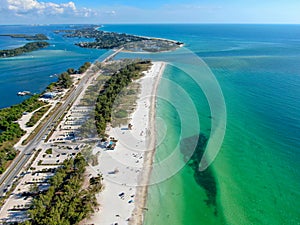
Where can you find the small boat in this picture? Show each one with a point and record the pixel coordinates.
(23, 93)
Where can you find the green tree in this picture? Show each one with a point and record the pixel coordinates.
(71, 71)
(65, 80)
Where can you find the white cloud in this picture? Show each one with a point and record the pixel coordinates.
(110, 12)
(35, 7)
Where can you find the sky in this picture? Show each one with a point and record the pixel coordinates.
(149, 11)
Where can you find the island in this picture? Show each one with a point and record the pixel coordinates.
(36, 37)
(113, 40)
(29, 47)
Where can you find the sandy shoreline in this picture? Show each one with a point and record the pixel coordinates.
(142, 189)
(127, 169)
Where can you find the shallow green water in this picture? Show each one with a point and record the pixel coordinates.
(257, 170)
(255, 178)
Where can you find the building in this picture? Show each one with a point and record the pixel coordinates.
(49, 95)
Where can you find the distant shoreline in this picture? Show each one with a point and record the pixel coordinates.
(36, 37)
(29, 47)
(111, 40)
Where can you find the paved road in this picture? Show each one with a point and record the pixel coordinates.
(19, 162)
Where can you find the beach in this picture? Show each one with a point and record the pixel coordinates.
(257, 170)
(126, 169)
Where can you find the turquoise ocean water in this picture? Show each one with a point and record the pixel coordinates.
(255, 178)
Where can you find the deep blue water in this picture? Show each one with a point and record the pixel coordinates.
(34, 71)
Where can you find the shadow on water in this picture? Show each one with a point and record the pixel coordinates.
(203, 178)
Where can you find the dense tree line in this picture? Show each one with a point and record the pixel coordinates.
(110, 40)
(80, 70)
(29, 47)
(66, 202)
(84, 68)
(112, 88)
(36, 37)
(64, 80)
(9, 116)
(103, 40)
(10, 129)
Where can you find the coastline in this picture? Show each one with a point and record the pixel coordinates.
(142, 36)
(142, 189)
(267, 108)
(127, 169)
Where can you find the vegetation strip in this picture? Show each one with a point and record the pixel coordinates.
(36, 37)
(41, 124)
(112, 88)
(66, 201)
(37, 116)
(125, 104)
(11, 131)
(29, 47)
(111, 40)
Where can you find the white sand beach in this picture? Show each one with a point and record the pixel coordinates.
(127, 168)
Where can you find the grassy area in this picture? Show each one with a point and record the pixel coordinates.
(39, 127)
(88, 128)
(125, 104)
(37, 116)
(92, 92)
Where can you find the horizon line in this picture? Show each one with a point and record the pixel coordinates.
(146, 23)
